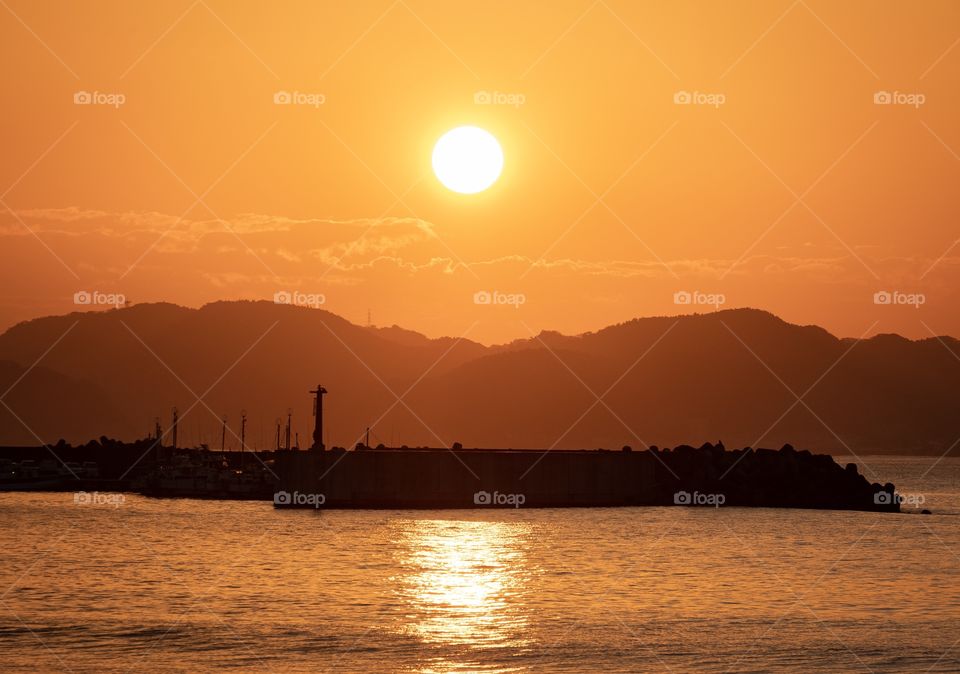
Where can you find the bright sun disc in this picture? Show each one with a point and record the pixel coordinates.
(467, 159)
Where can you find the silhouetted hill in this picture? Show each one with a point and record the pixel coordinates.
(722, 375)
(41, 396)
(255, 355)
(731, 375)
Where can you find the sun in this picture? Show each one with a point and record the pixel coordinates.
(467, 159)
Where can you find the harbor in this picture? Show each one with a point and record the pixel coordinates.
(381, 477)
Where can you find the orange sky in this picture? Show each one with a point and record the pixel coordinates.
(798, 194)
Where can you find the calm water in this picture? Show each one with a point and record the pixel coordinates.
(181, 585)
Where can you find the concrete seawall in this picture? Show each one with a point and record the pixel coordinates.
(483, 478)
(442, 478)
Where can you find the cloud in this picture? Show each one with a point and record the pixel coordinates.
(403, 270)
(324, 246)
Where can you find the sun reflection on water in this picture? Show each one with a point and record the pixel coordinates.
(463, 584)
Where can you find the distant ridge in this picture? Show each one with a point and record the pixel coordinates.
(671, 381)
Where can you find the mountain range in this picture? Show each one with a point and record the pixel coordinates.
(742, 376)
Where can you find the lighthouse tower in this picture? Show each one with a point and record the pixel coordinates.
(318, 393)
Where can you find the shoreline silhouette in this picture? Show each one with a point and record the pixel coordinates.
(452, 478)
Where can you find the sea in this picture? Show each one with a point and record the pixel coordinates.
(123, 583)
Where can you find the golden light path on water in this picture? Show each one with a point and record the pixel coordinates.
(464, 583)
